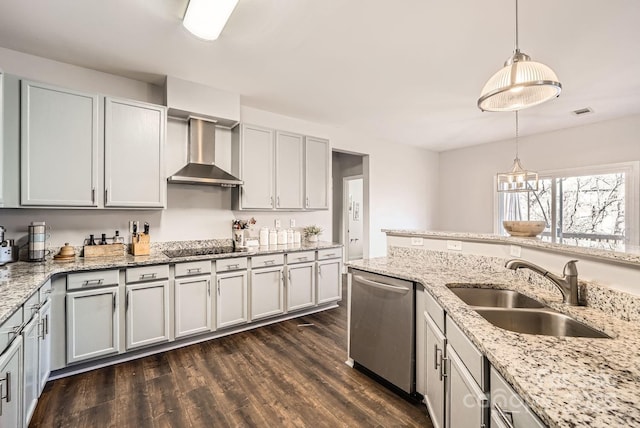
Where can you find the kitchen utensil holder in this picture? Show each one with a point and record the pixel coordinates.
(140, 244)
(109, 250)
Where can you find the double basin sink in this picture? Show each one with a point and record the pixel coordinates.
(514, 311)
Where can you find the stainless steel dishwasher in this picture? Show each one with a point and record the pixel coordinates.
(382, 327)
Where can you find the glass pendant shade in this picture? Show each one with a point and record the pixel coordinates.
(517, 179)
(520, 84)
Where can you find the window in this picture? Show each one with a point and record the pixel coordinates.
(589, 207)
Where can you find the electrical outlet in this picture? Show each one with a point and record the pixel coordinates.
(454, 245)
(277, 223)
(416, 241)
(292, 222)
(515, 250)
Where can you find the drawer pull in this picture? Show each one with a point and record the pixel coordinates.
(7, 397)
(330, 255)
(41, 329)
(269, 262)
(234, 266)
(114, 302)
(148, 275)
(194, 270)
(46, 325)
(90, 282)
(505, 416)
(208, 287)
(443, 370)
(302, 259)
(319, 270)
(436, 362)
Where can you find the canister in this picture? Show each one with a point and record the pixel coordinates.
(264, 236)
(37, 241)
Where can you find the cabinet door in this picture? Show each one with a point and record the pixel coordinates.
(30, 384)
(434, 373)
(231, 303)
(58, 146)
(257, 165)
(44, 353)
(267, 292)
(192, 305)
(134, 138)
(92, 324)
(329, 281)
(11, 385)
(467, 405)
(301, 286)
(147, 309)
(1, 139)
(289, 171)
(317, 173)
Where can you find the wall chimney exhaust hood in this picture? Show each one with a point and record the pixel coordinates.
(201, 168)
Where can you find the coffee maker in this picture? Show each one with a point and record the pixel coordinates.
(8, 249)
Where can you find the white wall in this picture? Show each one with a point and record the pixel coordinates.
(403, 178)
(466, 199)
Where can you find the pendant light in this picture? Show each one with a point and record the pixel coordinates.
(522, 83)
(517, 179)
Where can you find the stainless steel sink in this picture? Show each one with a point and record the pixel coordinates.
(538, 321)
(495, 298)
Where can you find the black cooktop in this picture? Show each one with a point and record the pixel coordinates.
(190, 252)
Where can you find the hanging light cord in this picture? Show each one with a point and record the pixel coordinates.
(517, 40)
(517, 134)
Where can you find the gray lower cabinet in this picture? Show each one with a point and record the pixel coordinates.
(147, 313)
(92, 323)
(435, 345)
(232, 299)
(58, 146)
(467, 404)
(11, 385)
(507, 408)
(31, 381)
(134, 138)
(301, 286)
(192, 305)
(44, 349)
(329, 282)
(267, 292)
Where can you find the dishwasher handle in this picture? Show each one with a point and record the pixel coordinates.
(381, 285)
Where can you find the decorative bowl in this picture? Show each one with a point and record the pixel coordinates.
(524, 229)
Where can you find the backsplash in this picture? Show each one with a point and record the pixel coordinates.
(616, 303)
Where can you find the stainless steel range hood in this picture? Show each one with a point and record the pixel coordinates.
(201, 168)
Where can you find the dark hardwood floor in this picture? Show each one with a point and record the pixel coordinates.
(286, 374)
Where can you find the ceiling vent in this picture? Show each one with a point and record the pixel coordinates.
(583, 111)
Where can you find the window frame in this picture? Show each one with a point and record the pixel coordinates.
(632, 195)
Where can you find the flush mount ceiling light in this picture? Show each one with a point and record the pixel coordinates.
(206, 18)
(517, 179)
(520, 84)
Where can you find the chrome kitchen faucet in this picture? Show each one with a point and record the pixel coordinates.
(567, 283)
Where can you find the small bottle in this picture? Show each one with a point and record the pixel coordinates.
(92, 241)
(103, 241)
(117, 239)
(282, 237)
(273, 237)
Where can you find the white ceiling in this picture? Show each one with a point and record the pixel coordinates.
(406, 71)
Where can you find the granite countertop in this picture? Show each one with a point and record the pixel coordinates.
(19, 281)
(630, 255)
(567, 381)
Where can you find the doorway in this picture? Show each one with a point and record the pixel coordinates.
(350, 176)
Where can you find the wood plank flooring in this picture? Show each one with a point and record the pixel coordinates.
(280, 375)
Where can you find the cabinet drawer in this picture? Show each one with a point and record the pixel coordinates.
(434, 310)
(225, 265)
(473, 359)
(45, 291)
(506, 401)
(330, 253)
(193, 268)
(267, 260)
(301, 257)
(31, 306)
(146, 273)
(8, 329)
(92, 279)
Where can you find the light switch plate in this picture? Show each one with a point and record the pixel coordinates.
(454, 245)
(515, 250)
(277, 223)
(417, 241)
(292, 222)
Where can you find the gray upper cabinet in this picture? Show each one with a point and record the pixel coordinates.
(316, 173)
(134, 142)
(289, 171)
(58, 146)
(1, 139)
(256, 160)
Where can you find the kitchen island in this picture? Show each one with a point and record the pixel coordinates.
(566, 381)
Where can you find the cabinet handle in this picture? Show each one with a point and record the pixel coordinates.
(41, 329)
(307, 202)
(278, 202)
(319, 270)
(289, 275)
(234, 266)
(271, 203)
(7, 397)
(436, 351)
(90, 282)
(302, 259)
(443, 369)
(93, 195)
(114, 302)
(196, 270)
(329, 255)
(282, 277)
(148, 275)
(269, 262)
(106, 195)
(507, 417)
(218, 287)
(208, 287)
(126, 300)
(46, 324)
